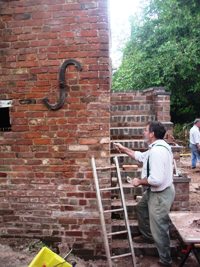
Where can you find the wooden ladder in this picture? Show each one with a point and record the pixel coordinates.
(102, 212)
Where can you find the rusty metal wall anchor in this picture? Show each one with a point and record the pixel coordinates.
(62, 85)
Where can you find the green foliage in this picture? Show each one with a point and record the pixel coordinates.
(164, 50)
(180, 133)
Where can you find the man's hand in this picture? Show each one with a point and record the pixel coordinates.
(136, 182)
(119, 147)
(123, 149)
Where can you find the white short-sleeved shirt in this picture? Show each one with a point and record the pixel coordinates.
(194, 135)
(160, 165)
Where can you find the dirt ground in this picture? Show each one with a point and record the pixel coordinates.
(17, 253)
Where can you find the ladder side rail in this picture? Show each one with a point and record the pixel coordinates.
(101, 211)
(125, 211)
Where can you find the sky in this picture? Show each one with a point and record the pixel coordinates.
(120, 12)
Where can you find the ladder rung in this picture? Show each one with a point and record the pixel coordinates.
(109, 188)
(121, 256)
(117, 233)
(113, 210)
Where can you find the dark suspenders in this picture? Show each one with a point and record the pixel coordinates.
(148, 167)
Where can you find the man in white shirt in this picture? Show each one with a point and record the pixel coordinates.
(195, 143)
(157, 175)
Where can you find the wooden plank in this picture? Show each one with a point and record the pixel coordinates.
(129, 167)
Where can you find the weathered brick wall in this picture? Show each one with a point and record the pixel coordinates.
(157, 97)
(45, 174)
(161, 100)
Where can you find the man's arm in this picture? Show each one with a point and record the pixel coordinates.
(136, 182)
(196, 137)
(198, 147)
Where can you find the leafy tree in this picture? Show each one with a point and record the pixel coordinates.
(164, 50)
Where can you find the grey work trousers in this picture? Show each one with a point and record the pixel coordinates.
(153, 218)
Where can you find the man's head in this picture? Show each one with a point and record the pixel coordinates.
(154, 130)
(197, 122)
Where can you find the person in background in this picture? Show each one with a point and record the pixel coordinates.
(157, 176)
(195, 143)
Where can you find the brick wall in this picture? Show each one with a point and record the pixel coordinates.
(45, 174)
(161, 100)
(156, 97)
